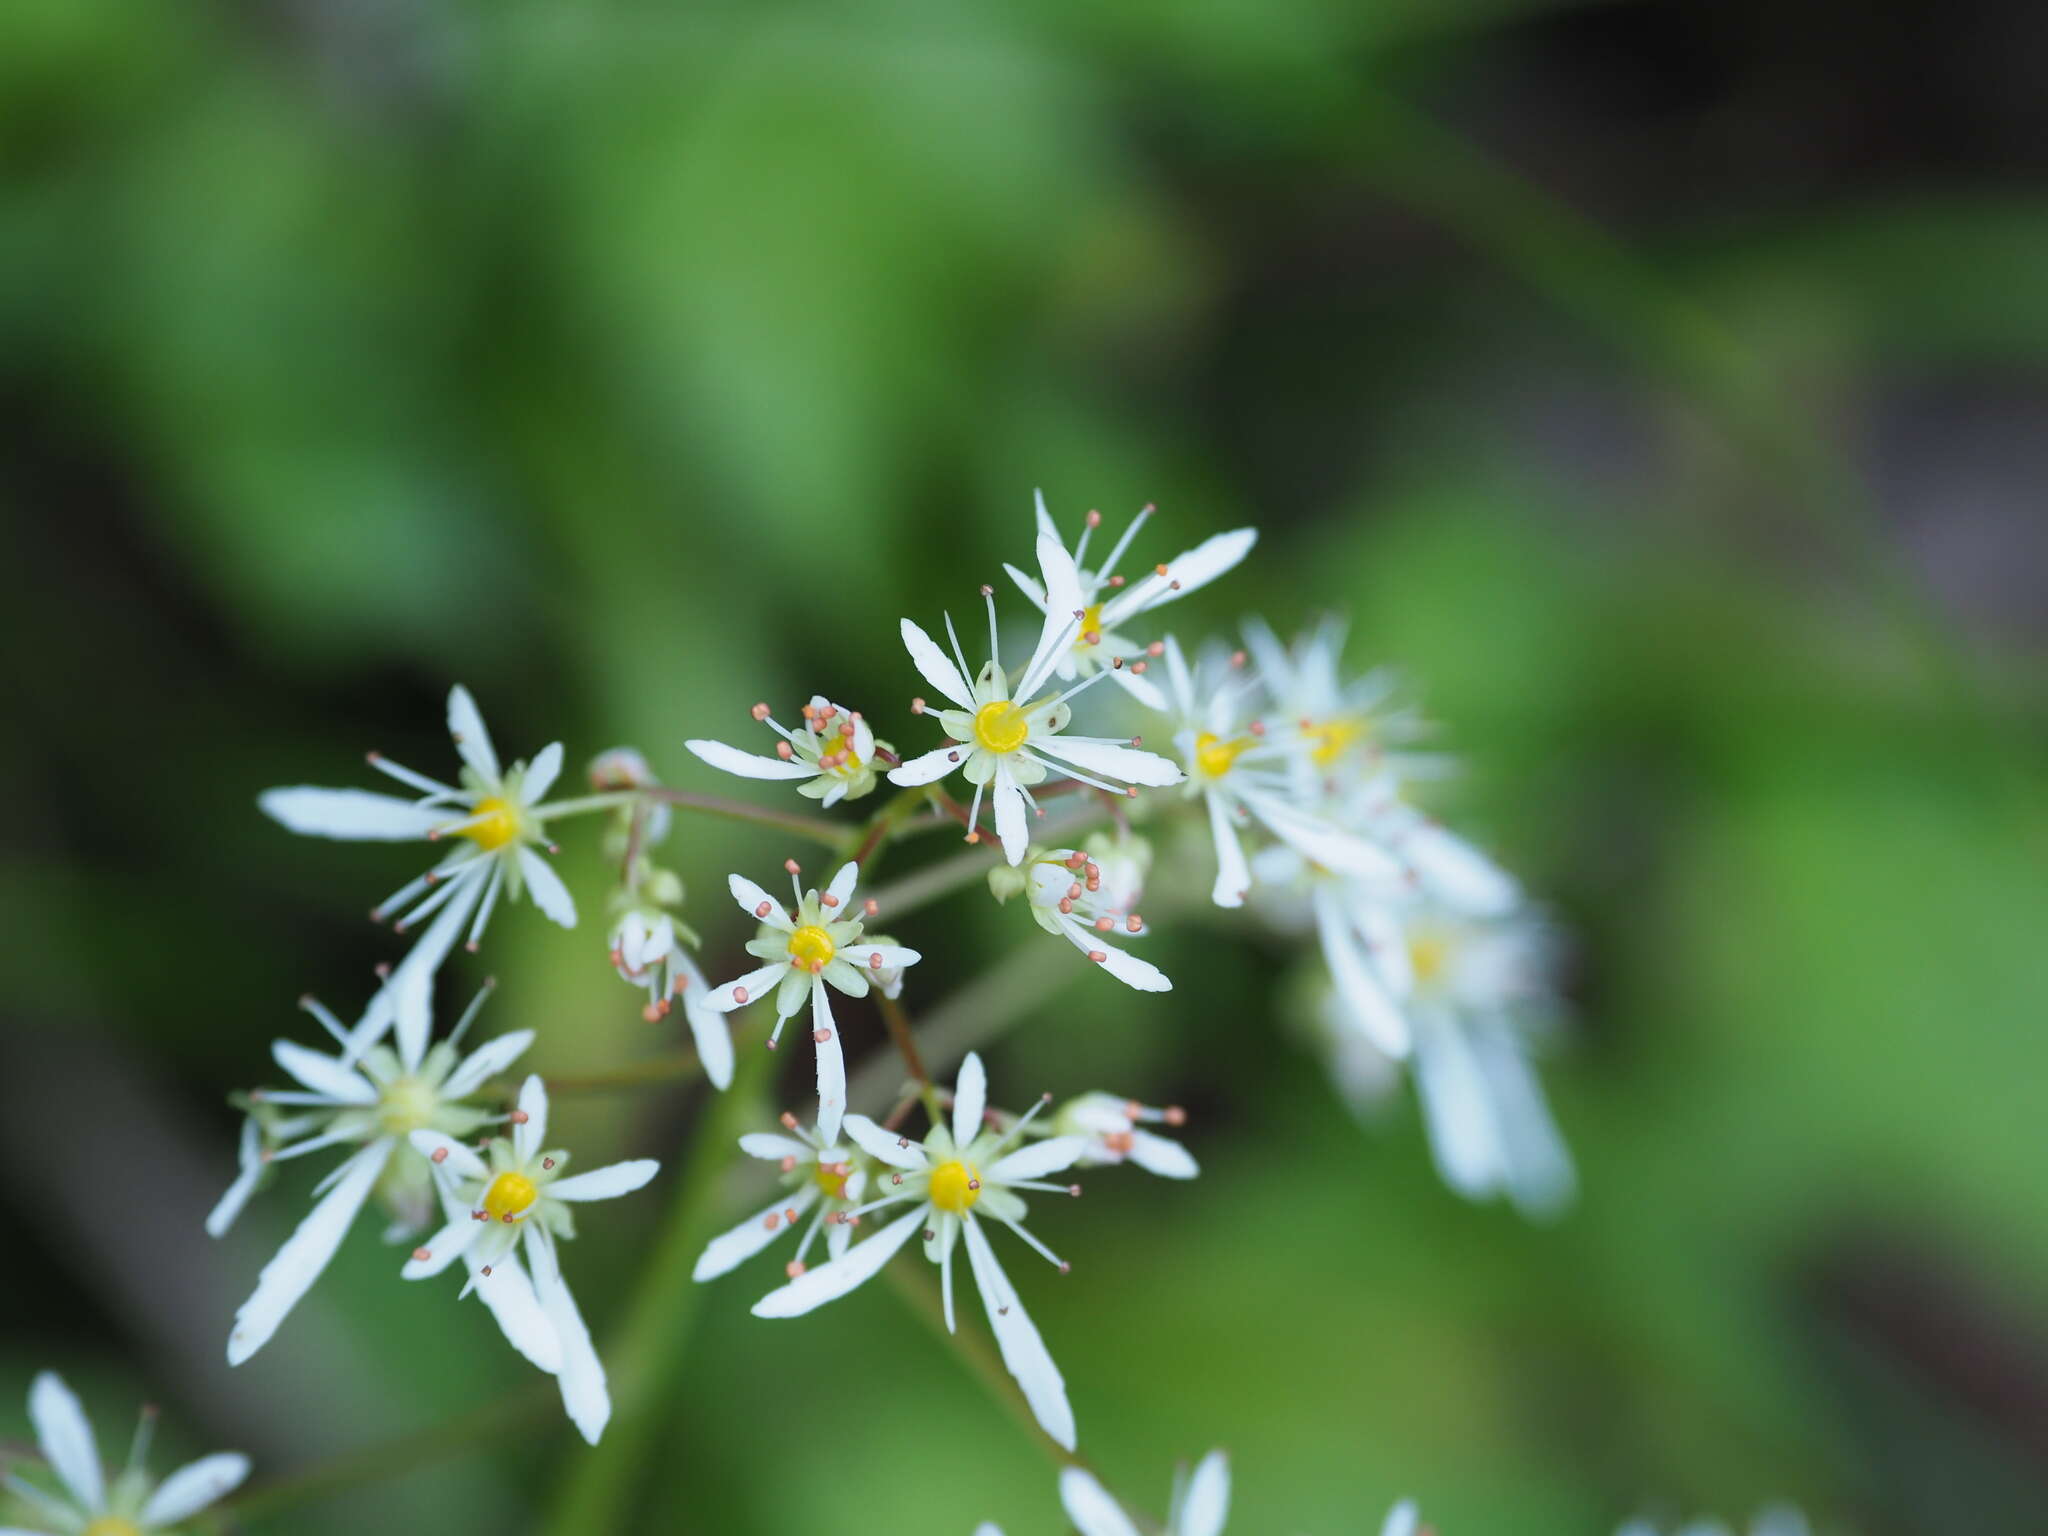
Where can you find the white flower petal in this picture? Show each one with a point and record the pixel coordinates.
(472, 741)
(1364, 1000)
(1030, 586)
(1130, 764)
(936, 667)
(529, 1134)
(507, 1291)
(1318, 840)
(752, 898)
(749, 765)
(841, 888)
(1537, 1166)
(1089, 1505)
(449, 1155)
(194, 1486)
(1208, 1498)
(1022, 1349)
(444, 1247)
(1186, 572)
(323, 1074)
(355, 815)
(305, 1253)
(65, 1434)
(1457, 1110)
(541, 774)
(771, 1148)
(755, 984)
(1402, 1519)
(486, 1062)
(1458, 872)
(546, 888)
(882, 1145)
(1139, 975)
(733, 1248)
(581, 1374)
(230, 1204)
(926, 769)
(1036, 1160)
(828, 1282)
(606, 1183)
(1063, 599)
(1010, 813)
(831, 1063)
(1233, 875)
(970, 1099)
(1168, 1159)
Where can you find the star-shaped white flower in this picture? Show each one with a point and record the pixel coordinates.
(133, 1504)
(819, 942)
(821, 1179)
(1099, 637)
(494, 817)
(514, 1200)
(1007, 741)
(1115, 1131)
(1240, 770)
(1338, 727)
(370, 1103)
(834, 752)
(955, 1183)
(648, 952)
(1069, 897)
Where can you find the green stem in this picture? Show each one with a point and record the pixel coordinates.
(647, 1350)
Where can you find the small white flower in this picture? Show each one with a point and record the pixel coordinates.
(1068, 895)
(1241, 772)
(1336, 728)
(134, 1504)
(1006, 743)
(954, 1183)
(833, 752)
(649, 953)
(814, 1173)
(1201, 1502)
(370, 1104)
(514, 1198)
(1114, 1130)
(1777, 1520)
(819, 942)
(495, 817)
(1100, 634)
(622, 768)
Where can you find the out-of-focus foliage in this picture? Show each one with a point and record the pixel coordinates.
(1662, 387)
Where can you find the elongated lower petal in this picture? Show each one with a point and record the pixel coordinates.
(65, 1434)
(828, 1282)
(1023, 1351)
(290, 1274)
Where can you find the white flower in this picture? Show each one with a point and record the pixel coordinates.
(1200, 1502)
(1066, 890)
(833, 751)
(1472, 991)
(494, 816)
(1334, 728)
(954, 1183)
(1241, 771)
(1404, 1519)
(1100, 635)
(622, 768)
(1006, 743)
(369, 1104)
(648, 952)
(816, 1173)
(1777, 1520)
(1113, 1129)
(133, 1504)
(820, 942)
(516, 1192)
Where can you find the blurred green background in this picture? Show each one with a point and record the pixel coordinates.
(1665, 386)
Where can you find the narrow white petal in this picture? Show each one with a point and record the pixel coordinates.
(733, 1248)
(1063, 599)
(305, 1253)
(841, 888)
(1139, 975)
(933, 765)
(1458, 872)
(449, 1155)
(581, 1375)
(65, 1434)
(936, 667)
(1036, 1160)
(507, 1291)
(755, 984)
(444, 1247)
(711, 1035)
(831, 1063)
(1233, 874)
(606, 1183)
(1022, 1349)
(194, 1486)
(1130, 764)
(1364, 1000)
(1538, 1167)
(882, 1145)
(1208, 1500)
(880, 957)
(749, 765)
(970, 1099)
(1185, 573)
(323, 1073)
(1010, 814)
(828, 1282)
(771, 1148)
(356, 815)
(466, 726)
(1459, 1114)
(1089, 1505)
(546, 888)
(531, 1134)
(230, 1204)
(752, 898)
(1168, 1159)
(485, 1063)
(1402, 1519)
(1030, 586)
(541, 774)
(1318, 840)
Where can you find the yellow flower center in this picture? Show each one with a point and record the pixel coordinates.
(1090, 632)
(1427, 956)
(811, 947)
(1001, 726)
(509, 1196)
(1215, 757)
(112, 1525)
(407, 1105)
(832, 1178)
(496, 823)
(955, 1186)
(1332, 738)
